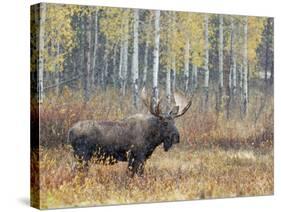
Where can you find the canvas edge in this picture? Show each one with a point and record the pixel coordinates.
(34, 106)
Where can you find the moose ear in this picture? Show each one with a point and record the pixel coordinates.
(174, 111)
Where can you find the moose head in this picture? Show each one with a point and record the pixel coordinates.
(168, 130)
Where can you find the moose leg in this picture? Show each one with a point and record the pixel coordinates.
(83, 161)
(85, 165)
(77, 164)
(83, 151)
(136, 165)
(130, 166)
(140, 169)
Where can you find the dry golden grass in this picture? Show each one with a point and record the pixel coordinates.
(216, 157)
(181, 174)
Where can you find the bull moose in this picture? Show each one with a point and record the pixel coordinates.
(132, 139)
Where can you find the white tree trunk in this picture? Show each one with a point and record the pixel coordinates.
(206, 62)
(121, 55)
(233, 71)
(245, 68)
(43, 9)
(87, 49)
(147, 39)
(104, 80)
(174, 74)
(94, 51)
(156, 58)
(186, 65)
(195, 76)
(125, 56)
(230, 78)
(221, 52)
(145, 66)
(114, 75)
(220, 93)
(57, 71)
(135, 62)
(234, 77)
(241, 81)
(173, 19)
(168, 86)
(81, 53)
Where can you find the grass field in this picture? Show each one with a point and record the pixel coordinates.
(181, 174)
(216, 158)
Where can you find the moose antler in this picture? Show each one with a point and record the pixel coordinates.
(149, 105)
(182, 103)
(180, 108)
